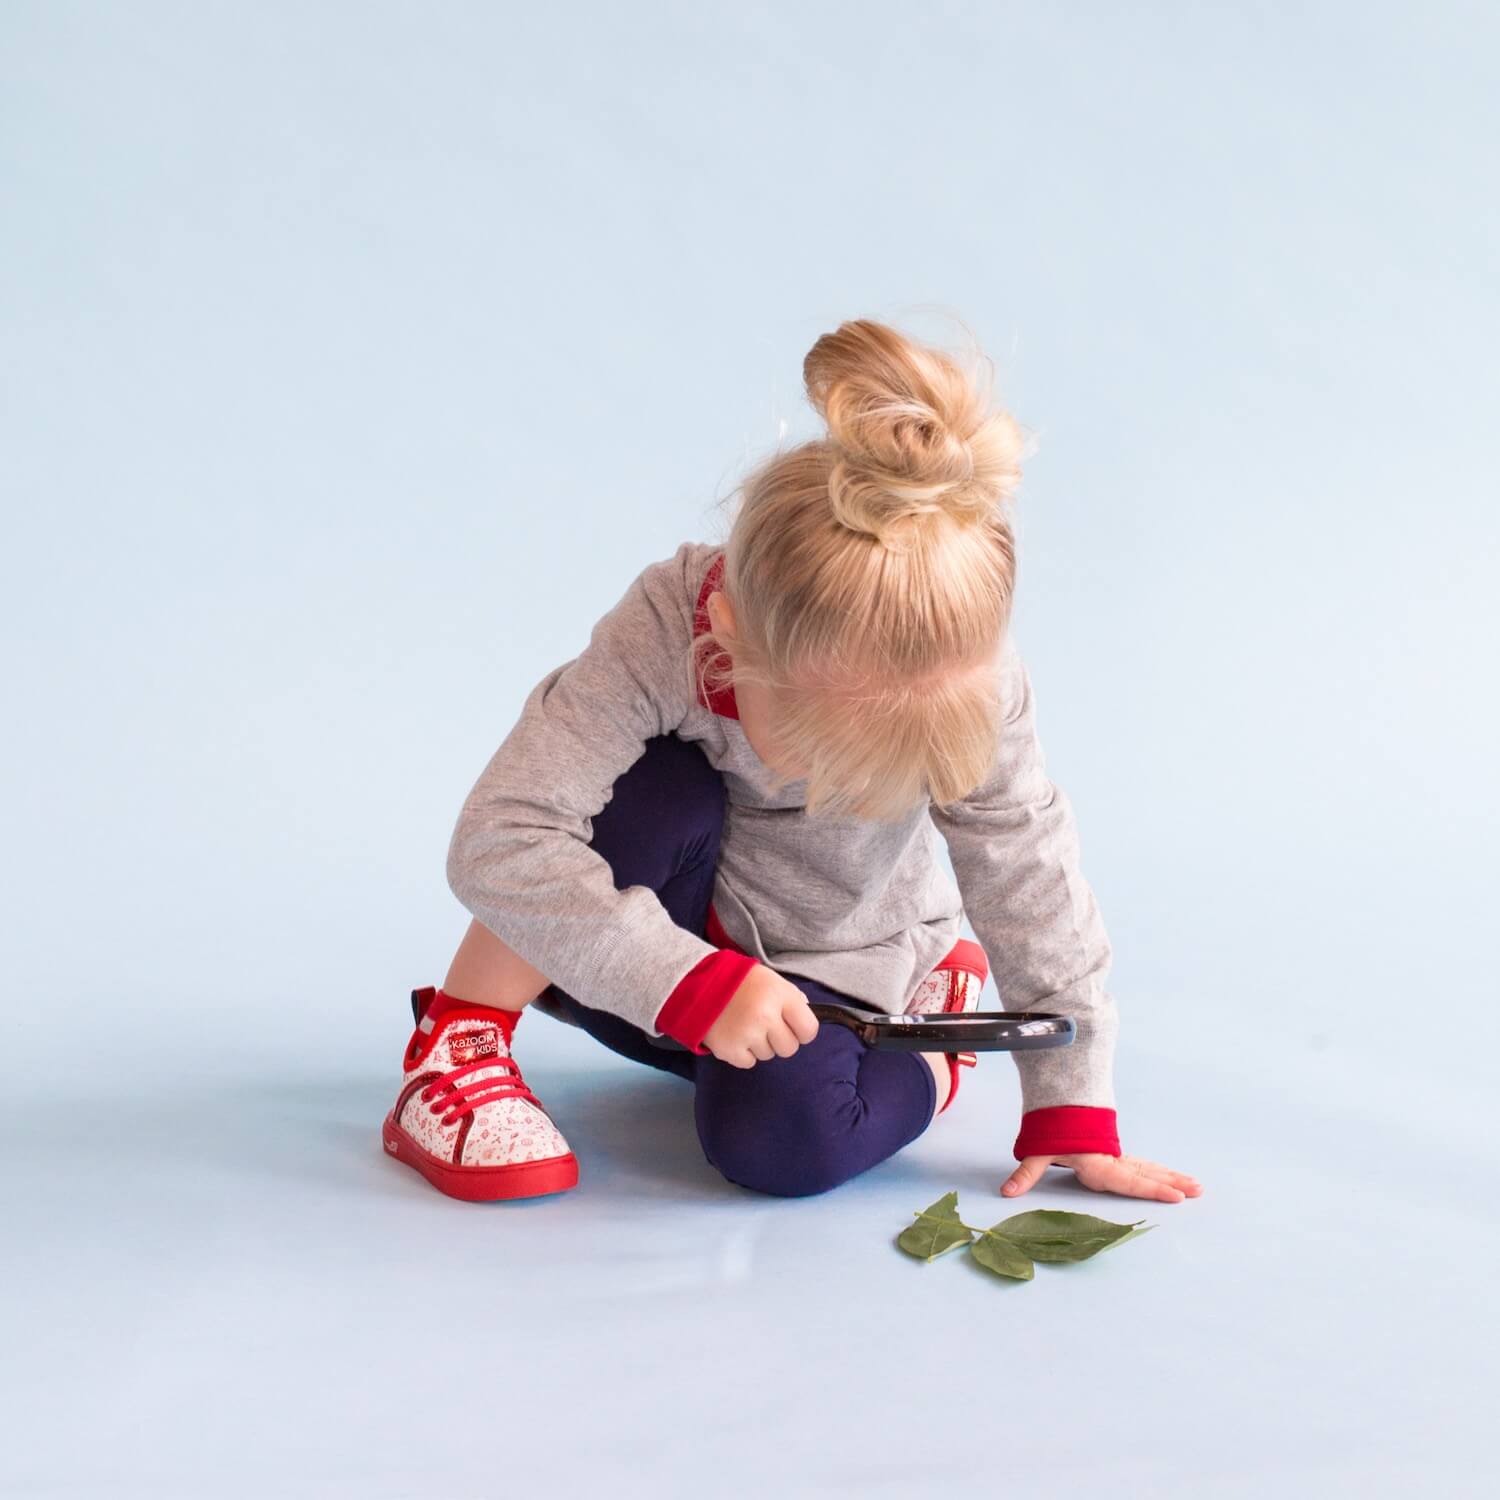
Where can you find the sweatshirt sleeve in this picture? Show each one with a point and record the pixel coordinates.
(519, 859)
(1015, 852)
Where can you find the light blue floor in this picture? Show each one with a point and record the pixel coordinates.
(354, 357)
(218, 1285)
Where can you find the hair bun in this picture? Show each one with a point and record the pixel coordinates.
(913, 433)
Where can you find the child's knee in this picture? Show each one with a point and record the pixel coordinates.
(791, 1147)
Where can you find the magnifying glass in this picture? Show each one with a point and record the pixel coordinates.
(971, 1031)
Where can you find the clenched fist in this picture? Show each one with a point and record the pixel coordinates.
(767, 1017)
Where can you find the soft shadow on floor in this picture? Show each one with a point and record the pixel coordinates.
(631, 1129)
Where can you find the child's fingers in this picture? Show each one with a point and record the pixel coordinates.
(799, 1018)
(1025, 1176)
(1162, 1192)
(1152, 1166)
(1131, 1180)
(736, 1057)
(783, 1042)
(1158, 1173)
(1182, 1180)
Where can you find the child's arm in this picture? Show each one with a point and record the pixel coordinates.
(519, 859)
(1014, 848)
(1015, 853)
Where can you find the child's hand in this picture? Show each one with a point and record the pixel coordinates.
(767, 1017)
(1129, 1176)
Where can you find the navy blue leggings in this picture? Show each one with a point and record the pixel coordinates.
(793, 1125)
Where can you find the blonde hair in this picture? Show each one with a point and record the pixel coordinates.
(870, 574)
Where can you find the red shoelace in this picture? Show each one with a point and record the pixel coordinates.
(456, 1098)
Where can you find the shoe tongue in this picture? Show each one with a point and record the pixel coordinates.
(471, 1039)
(468, 1033)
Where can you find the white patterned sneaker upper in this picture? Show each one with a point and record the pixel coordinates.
(946, 992)
(472, 1108)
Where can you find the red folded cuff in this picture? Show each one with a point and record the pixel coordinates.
(699, 997)
(1066, 1128)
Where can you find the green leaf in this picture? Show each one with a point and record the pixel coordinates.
(937, 1230)
(1048, 1234)
(996, 1253)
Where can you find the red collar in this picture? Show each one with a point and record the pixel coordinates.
(721, 701)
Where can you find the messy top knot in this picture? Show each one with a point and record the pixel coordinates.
(869, 574)
(912, 433)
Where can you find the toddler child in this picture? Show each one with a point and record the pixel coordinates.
(724, 810)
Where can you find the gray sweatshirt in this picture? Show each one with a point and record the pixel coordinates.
(867, 908)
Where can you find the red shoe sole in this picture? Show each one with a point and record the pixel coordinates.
(525, 1179)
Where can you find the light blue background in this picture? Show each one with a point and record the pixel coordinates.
(356, 357)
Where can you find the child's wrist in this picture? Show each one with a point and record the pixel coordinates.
(701, 995)
(1067, 1129)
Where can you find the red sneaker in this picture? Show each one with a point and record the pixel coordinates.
(465, 1118)
(953, 987)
